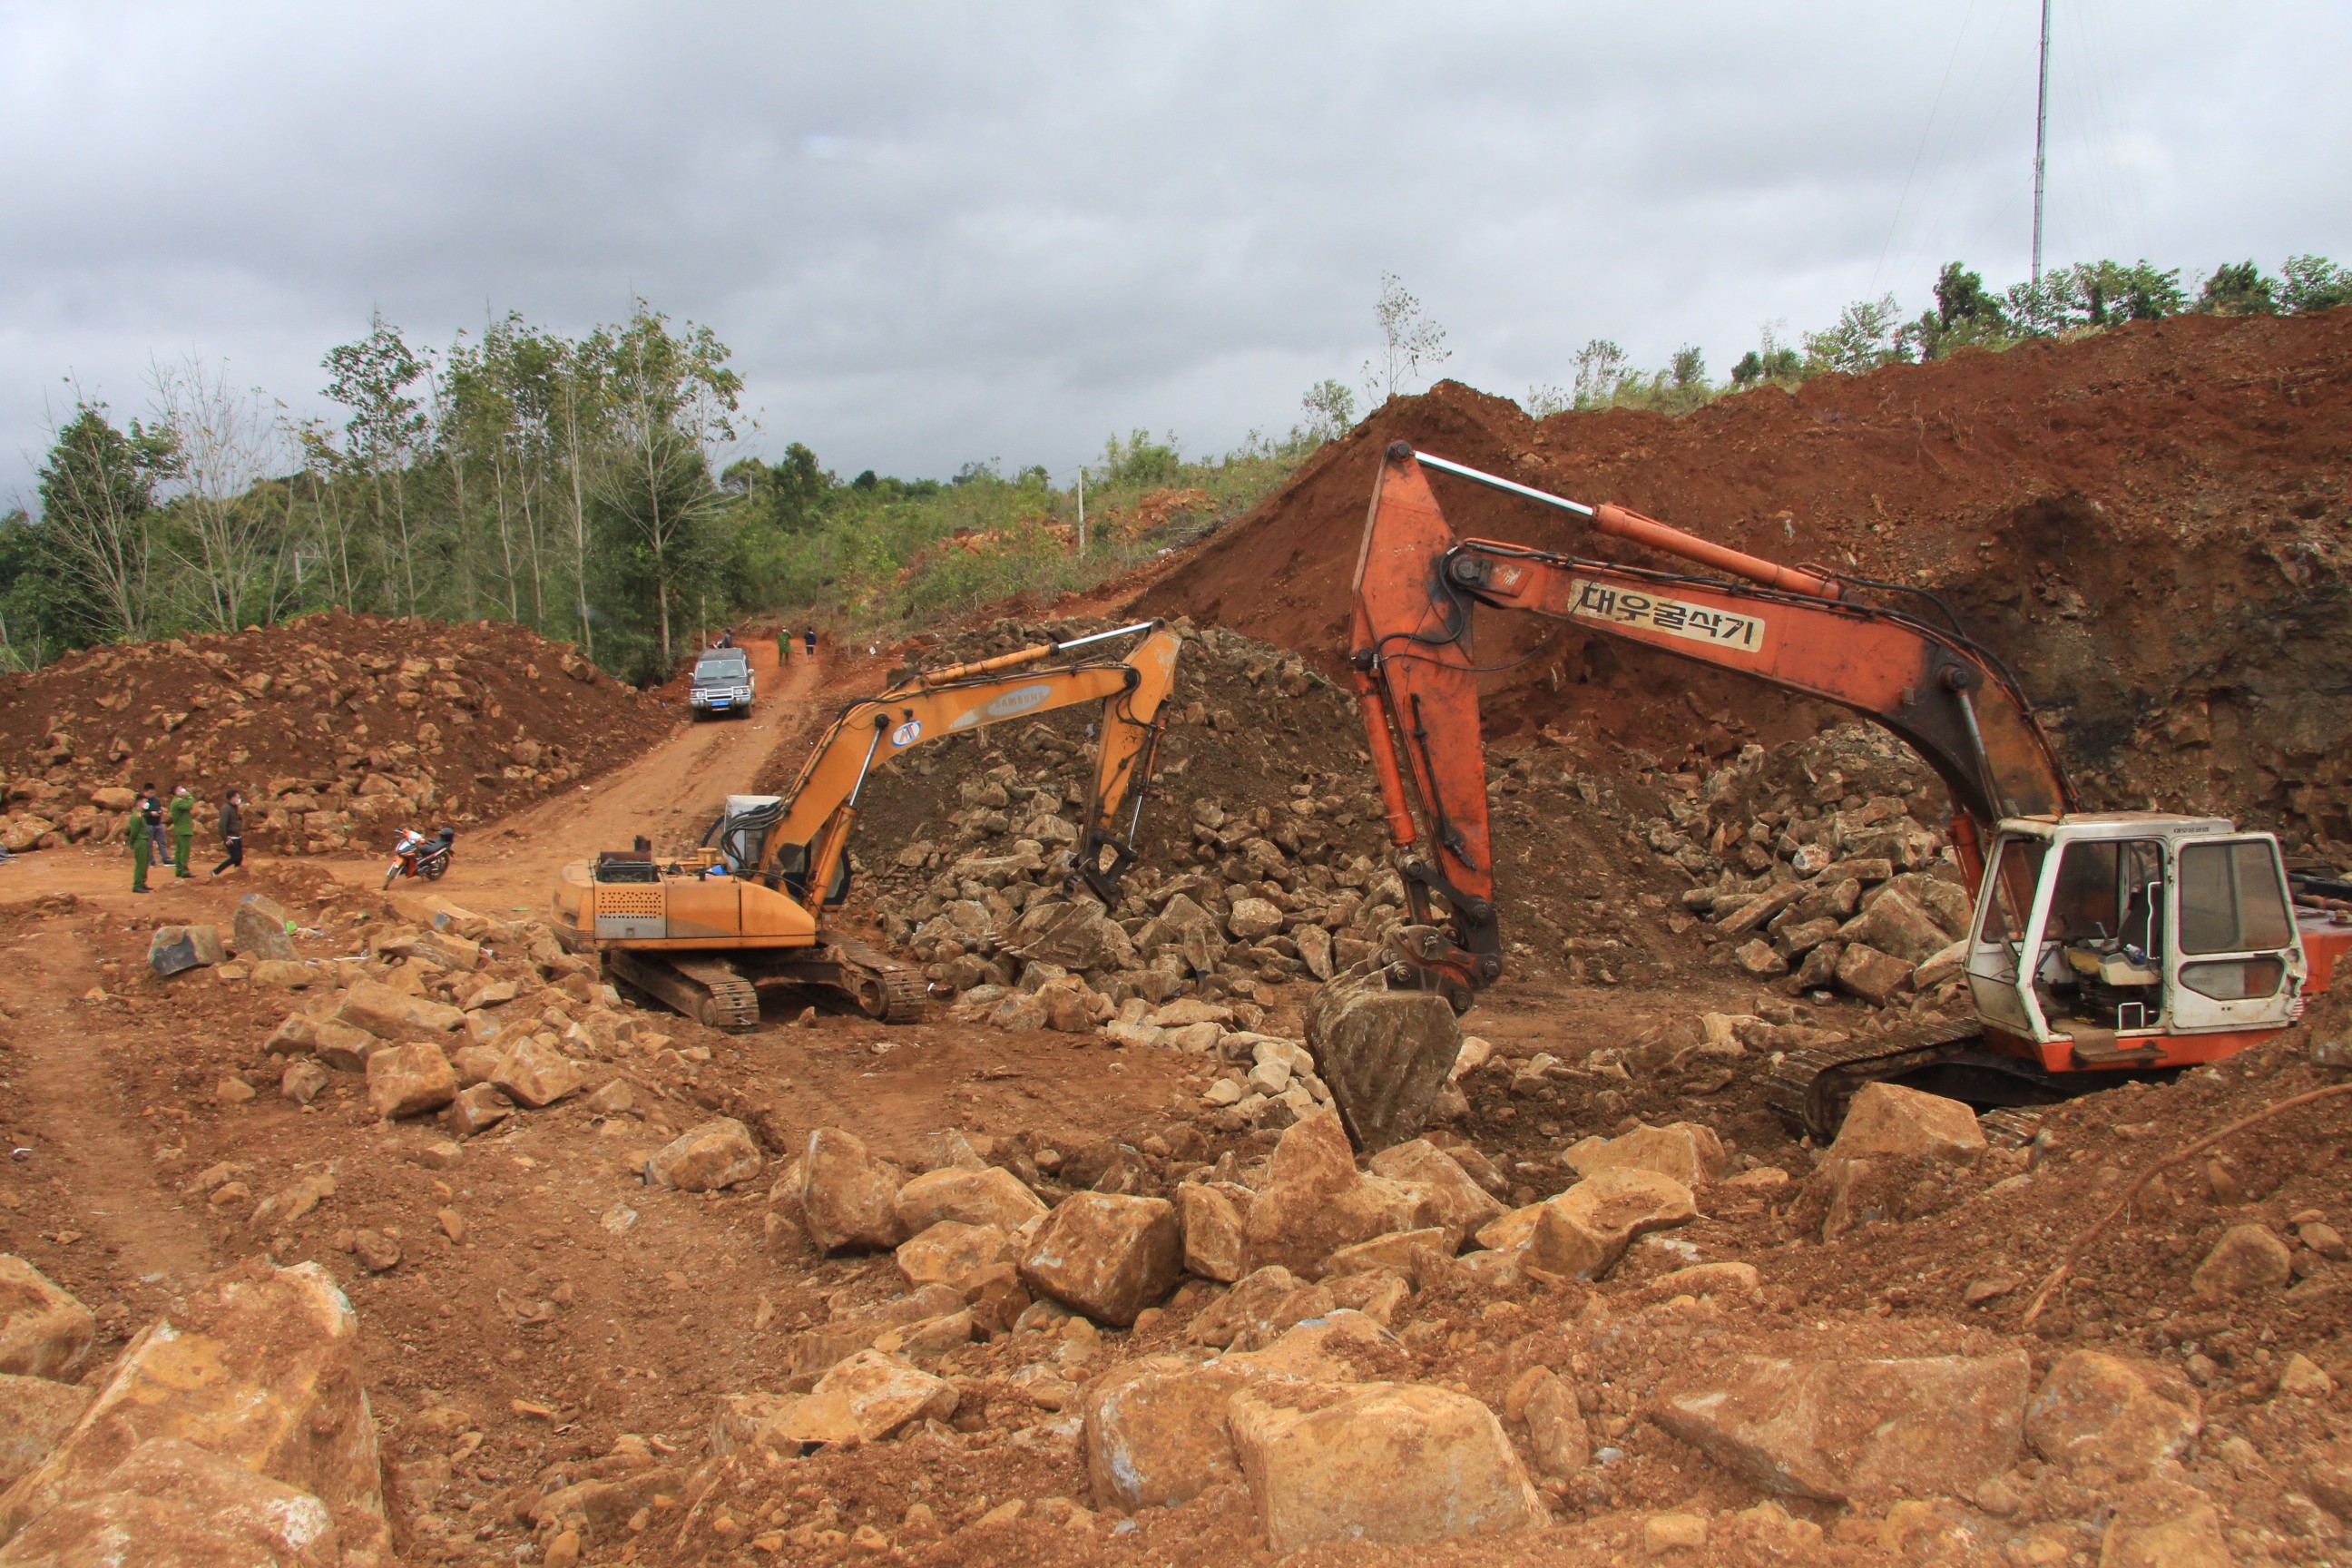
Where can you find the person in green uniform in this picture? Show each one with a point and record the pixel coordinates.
(140, 831)
(183, 828)
(784, 645)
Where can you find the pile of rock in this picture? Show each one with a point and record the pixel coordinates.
(450, 1015)
(1248, 878)
(235, 1429)
(1810, 882)
(333, 726)
(1292, 1381)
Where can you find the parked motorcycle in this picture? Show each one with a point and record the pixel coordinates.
(416, 855)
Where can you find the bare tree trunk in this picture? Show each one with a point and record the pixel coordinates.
(506, 540)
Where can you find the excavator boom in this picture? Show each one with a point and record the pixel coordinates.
(1416, 668)
(703, 933)
(807, 847)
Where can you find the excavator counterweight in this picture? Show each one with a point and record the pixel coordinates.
(2081, 959)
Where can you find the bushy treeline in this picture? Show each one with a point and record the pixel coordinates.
(565, 483)
(1868, 334)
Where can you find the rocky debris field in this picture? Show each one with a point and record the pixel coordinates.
(620, 1289)
(339, 729)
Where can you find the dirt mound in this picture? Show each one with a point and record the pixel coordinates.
(2147, 524)
(329, 724)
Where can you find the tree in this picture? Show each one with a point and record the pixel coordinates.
(1866, 337)
(1410, 340)
(97, 528)
(1601, 372)
(234, 545)
(2312, 283)
(1330, 410)
(672, 396)
(2238, 289)
(2112, 293)
(371, 378)
(1967, 313)
(1688, 369)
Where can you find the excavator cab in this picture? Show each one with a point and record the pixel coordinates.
(2133, 940)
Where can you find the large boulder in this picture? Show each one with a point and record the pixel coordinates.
(174, 1502)
(388, 1013)
(1585, 1231)
(1896, 924)
(1876, 977)
(2111, 1415)
(1211, 1214)
(848, 1197)
(1384, 1054)
(263, 930)
(1887, 1120)
(43, 1330)
(1155, 1431)
(1453, 1199)
(1841, 1429)
(1076, 936)
(262, 1366)
(1315, 1201)
(2249, 1260)
(707, 1158)
(989, 1196)
(1106, 1255)
(535, 1074)
(35, 1412)
(409, 1080)
(952, 1254)
(863, 1399)
(1687, 1151)
(175, 949)
(1392, 1463)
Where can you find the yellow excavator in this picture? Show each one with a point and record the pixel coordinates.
(705, 931)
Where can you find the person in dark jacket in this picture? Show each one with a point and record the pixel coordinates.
(810, 635)
(232, 831)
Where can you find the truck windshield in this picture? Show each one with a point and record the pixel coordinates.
(721, 669)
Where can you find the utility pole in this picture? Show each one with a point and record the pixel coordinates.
(2041, 137)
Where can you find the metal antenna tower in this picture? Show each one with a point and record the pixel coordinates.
(2041, 137)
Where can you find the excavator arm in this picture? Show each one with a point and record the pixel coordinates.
(1416, 669)
(806, 848)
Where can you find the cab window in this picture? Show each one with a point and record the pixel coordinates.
(2107, 888)
(2231, 900)
(2009, 903)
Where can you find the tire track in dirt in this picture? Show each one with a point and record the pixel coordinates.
(62, 1073)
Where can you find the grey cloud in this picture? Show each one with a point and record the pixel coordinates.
(935, 233)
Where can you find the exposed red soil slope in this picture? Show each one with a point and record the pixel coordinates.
(2149, 524)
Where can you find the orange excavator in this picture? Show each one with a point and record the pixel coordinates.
(2104, 945)
(705, 931)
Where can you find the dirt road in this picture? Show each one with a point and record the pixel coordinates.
(670, 793)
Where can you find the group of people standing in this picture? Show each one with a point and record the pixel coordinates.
(783, 642)
(153, 815)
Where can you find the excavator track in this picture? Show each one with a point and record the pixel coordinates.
(883, 988)
(709, 990)
(1808, 1090)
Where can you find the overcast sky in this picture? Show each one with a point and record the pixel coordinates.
(939, 232)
